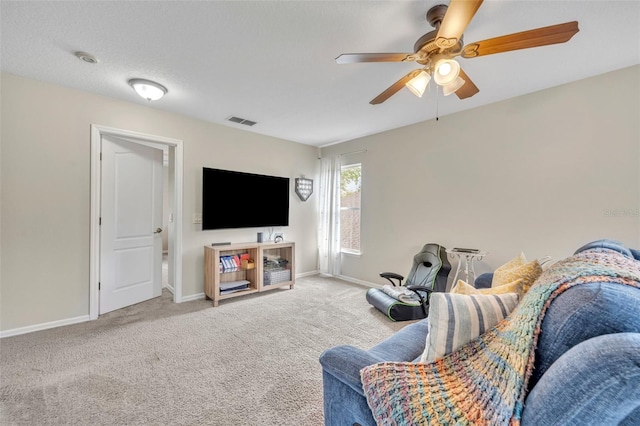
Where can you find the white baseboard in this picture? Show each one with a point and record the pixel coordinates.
(307, 274)
(196, 296)
(357, 281)
(170, 288)
(43, 326)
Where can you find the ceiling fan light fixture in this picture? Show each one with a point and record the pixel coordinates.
(418, 84)
(453, 87)
(446, 71)
(147, 89)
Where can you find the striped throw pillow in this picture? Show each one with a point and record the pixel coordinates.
(456, 319)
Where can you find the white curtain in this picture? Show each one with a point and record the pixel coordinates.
(329, 229)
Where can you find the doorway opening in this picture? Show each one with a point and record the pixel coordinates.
(174, 160)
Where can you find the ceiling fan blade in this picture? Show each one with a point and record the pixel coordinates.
(468, 89)
(394, 88)
(455, 21)
(353, 58)
(533, 38)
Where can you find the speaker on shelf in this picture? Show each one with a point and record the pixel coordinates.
(260, 236)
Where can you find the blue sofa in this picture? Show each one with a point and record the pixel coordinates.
(587, 365)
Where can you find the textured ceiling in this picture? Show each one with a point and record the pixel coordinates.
(273, 61)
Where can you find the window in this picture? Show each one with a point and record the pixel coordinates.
(350, 189)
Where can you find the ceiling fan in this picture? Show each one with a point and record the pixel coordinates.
(436, 50)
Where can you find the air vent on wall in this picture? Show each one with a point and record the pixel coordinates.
(241, 120)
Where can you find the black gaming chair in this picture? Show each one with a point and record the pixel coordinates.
(429, 273)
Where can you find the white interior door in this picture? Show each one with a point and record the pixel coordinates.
(131, 221)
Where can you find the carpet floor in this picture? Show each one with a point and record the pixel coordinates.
(251, 361)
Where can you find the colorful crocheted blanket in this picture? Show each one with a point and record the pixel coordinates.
(485, 381)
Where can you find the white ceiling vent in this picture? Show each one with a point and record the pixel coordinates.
(241, 120)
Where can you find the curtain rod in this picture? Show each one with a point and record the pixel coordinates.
(353, 152)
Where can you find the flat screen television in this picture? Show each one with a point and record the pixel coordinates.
(243, 200)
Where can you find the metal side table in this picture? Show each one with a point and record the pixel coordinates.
(466, 257)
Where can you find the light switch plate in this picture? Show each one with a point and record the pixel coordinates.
(197, 218)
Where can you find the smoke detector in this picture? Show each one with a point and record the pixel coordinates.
(86, 57)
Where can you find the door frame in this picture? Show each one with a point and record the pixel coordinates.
(175, 147)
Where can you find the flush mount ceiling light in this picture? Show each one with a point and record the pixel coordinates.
(147, 89)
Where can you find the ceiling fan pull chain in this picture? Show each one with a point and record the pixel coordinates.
(437, 102)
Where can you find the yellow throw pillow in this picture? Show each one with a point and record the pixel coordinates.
(528, 272)
(513, 263)
(515, 287)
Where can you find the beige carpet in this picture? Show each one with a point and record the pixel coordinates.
(251, 361)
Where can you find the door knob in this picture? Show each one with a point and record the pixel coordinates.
(159, 230)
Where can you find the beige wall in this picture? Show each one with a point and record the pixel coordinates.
(540, 173)
(543, 173)
(45, 193)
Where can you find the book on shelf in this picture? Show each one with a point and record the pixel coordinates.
(228, 264)
(233, 286)
(234, 262)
